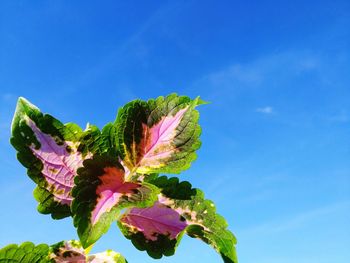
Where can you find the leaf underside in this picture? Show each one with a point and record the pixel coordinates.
(180, 209)
(52, 152)
(48, 149)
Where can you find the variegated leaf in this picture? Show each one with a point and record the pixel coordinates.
(158, 136)
(179, 209)
(67, 251)
(108, 256)
(48, 149)
(72, 251)
(101, 192)
(62, 252)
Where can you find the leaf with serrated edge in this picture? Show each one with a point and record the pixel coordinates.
(27, 252)
(101, 192)
(179, 209)
(94, 141)
(48, 149)
(62, 252)
(158, 136)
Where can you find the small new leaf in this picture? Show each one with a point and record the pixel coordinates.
(94, 141)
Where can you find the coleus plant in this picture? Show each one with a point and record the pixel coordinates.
(98, 177)
(62, 252)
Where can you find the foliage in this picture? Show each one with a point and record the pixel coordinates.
(93, 175)
(65, 251)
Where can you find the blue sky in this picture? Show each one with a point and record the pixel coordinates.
(275, 152)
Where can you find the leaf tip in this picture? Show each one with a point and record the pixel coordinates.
(23, 106)
(199, 101)
(23, 102)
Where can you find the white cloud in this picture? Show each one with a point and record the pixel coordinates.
(237, 74)
(8, 97)
(272, 71)
(342, 117)
(296, 221)
(265, 110)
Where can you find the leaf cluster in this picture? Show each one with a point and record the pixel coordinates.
(98, 177)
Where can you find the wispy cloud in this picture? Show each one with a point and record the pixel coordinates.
(296, 221)
(341, 117)
(8, 97)
(237, 73)
(270, 71)
(265, 110)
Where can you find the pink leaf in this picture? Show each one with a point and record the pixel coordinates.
(59, 165)
(110, 190)
(156, 220)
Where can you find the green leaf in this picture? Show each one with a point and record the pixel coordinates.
(100, 193)
(49, 151)
(158, 136)
(94, 141)
(180, 209)
(25, 253)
